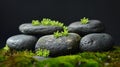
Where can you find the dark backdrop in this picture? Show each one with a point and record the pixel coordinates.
(15, 12)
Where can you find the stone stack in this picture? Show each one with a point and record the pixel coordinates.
(93, 38)
(29, 40)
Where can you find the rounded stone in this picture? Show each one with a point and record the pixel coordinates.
(28, 28)
(96, 42)
(22, 42)
(40, 58)
(59, 46)
(93, 26)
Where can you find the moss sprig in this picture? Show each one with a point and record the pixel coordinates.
(47, 22)
(62, 33)
(6, 48)
(35, 22)
(84, 20)
(42, 52)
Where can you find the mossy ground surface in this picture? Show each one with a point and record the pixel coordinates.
(85, 59)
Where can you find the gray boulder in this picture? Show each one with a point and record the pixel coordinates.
(28, 28)
(22, 42)
(93, 26)
(60, 46)
(96, 42)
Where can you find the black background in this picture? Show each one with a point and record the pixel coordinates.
(15, 12)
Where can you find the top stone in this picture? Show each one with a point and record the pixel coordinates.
(28, 28)
(93, 26)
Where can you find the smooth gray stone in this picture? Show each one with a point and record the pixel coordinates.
(39, 58)
(28, 28)
(96, 42)
(93, 26)
(22, 42)
(60, 46)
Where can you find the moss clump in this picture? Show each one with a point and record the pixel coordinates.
(100, 57)
(2, 58)
(68, 61)
(47, 22)
(62, 33)
(6, 48)
(18, 61)
(14, 58)
(43, 52)
(35, 22)
(84, 20)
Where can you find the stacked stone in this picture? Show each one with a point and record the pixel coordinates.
(57, 46)
(93, 38)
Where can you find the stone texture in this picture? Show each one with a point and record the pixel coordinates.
(96, 42)
(93, 26)
(22, 42)
(39, 58)
(60, 46)
(28, 28)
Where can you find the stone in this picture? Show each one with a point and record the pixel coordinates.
(28, 28)
(96, 42)
(93, 26)
(40, 58)
(59, 46)
(22, 42)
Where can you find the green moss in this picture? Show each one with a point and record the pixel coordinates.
(84, 20)
(47, 22)
(18, 61)
(68, 61)
(35, 22)
(6, 47)
(100, 57)
(43, 52)
(84, 59)
(2, 58)
(62, 33)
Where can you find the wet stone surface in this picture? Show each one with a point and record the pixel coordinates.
(22, 42)
(40, 58)
(93, 26)
(96, 42)
(59, 46)
(28, 28)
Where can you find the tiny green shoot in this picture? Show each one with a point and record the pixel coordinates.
(84, 20)
(57, 34)
(63, 33)
(47, 22)
(35, 22)
(6, 48)
(43, 52)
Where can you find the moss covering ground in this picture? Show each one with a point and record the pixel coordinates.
(85, 59)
